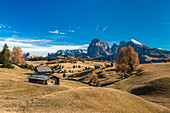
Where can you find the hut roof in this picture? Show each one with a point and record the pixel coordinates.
(43, 69)
(41, 76)
(97, 65)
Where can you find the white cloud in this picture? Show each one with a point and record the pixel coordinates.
(35, 49)
(71, 31)
(62, 33)
(2, 26)
(24, 40)
(97, 27)
(41, 51)
(12, 44)
(104, 28)
(56, 31)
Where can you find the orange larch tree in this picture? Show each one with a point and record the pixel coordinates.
(17, 56)
(127, 60)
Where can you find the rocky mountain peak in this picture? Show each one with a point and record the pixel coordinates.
(122, 43)
(98, 48)
(114, 49)
(96, 40)
(135, 42)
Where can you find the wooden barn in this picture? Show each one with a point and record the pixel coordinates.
(43, 76)
(97, 66)
(44, 79)
(43, 70)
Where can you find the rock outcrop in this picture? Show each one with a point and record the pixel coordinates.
(98, 48)
(28, 56)
(114, 50)
(143, 51)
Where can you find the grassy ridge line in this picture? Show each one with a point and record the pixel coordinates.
(94, 100)
(151, 84)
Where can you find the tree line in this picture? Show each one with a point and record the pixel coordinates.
(126, 63)
(7, 58)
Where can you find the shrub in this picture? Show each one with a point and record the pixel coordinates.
(79, 66)
(41, 64)
(31, 67)
(26, 66)
(52, 70)
(60, 67)
(64, 74)
(112, 64)
(64, 71)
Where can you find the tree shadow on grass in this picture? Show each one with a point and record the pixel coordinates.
(28, 73)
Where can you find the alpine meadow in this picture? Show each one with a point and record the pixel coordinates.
(92, 56)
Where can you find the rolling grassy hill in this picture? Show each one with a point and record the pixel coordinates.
(152, 84)
(83, 100)
(18, 95)
(106, 75)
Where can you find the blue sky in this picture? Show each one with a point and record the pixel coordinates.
(42, 26)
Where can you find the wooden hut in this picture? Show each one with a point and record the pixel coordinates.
(44, 79)
(43, 70)
(97, 66)
(43, 76)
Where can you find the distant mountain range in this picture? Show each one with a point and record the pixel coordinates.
(67, 53)
(28, 55)
(99, 50)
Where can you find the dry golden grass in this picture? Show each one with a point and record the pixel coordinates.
(152, 84)
(67, 66)
(36, 63)
(107, 76)
(14, 87)
(88, 100)
(18, 95)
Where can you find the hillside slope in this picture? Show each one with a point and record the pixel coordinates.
(106, 76)
(153, 83)
(15, 88)
(18, 95)
(92, 100)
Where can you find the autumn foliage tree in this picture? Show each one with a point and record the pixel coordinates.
(127, 61)
(17, 56)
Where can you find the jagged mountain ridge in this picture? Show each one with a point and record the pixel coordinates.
(67, 52)
(99, 50)
(146, 54)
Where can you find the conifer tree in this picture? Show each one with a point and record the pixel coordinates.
(5, 57)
